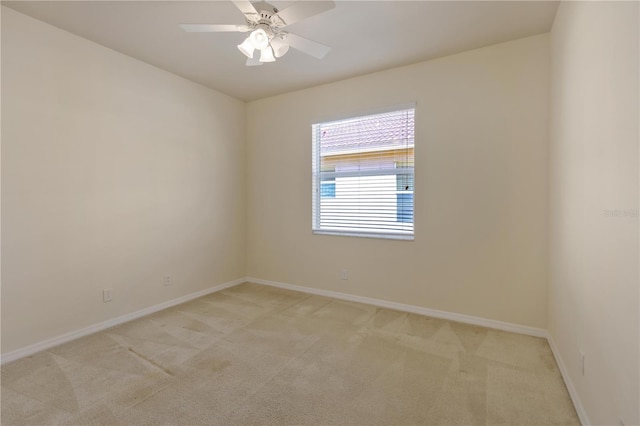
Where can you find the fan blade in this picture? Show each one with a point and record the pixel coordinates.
(307, 46)
(213, 28)
(304, 9)
(245, 7)
(254, 61)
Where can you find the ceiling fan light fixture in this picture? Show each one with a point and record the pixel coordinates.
(264, 27)
(259, 39)
(266, 55)
(247, 47)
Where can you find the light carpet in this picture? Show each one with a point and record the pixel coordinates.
(253, 354)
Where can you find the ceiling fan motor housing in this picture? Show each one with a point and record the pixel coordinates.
(266, 18)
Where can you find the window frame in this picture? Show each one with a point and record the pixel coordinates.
(318, 175)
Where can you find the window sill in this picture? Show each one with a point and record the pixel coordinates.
(403, 237)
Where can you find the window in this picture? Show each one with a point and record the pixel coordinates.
(363, 175)
(328, 188)
(328, 185)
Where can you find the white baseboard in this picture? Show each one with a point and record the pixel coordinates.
(67, 337)
(451, 316)
(582, 413)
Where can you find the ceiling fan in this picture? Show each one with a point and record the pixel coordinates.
(266, 26)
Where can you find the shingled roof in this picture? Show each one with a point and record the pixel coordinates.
(380, 131)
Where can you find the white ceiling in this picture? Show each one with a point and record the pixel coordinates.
(365, 36)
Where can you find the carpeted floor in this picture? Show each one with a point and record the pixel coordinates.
(258, 355)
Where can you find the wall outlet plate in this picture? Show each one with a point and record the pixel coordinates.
(107, 295)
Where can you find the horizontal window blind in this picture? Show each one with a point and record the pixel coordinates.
(363, 175)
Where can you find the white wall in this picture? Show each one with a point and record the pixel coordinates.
(593, 296)
(114, 174)
(481, 186)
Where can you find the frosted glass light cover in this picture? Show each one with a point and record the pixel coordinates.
(266, 55)
(247, 47)
(259, 39)
(279, 47)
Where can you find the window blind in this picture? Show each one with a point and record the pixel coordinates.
(363, 175)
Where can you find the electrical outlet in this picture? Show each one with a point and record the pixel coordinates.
(582, 363)
(168, 280)
(344, 274)
(107, 295)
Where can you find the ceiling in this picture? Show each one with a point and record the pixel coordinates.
(365, 36)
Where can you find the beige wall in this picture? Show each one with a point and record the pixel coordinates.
(114, 174)
(593, 296)
(480, 192)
